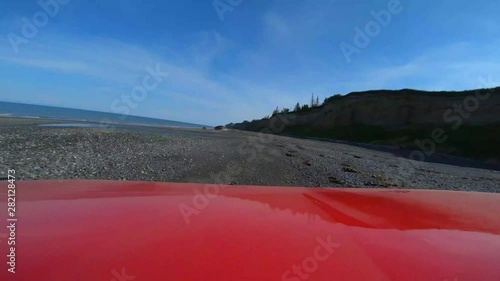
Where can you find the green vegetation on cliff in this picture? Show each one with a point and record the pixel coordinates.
(468, 120)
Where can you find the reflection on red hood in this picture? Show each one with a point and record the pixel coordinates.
(124, 231)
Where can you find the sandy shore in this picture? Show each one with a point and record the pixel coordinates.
(226, 157)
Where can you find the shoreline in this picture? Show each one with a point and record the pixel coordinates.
(23, 120)
(139, 153)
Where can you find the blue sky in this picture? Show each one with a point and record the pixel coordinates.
(259, 55)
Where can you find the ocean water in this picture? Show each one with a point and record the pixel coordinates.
(8, 109)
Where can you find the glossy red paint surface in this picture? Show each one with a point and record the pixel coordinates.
(84, 230)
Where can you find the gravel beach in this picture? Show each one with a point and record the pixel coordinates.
(224, 157)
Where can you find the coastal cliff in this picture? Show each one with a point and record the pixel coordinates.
(467, 122)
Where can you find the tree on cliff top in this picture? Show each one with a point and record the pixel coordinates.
(297, 107)
(314, 101)
(334, 97)
(276, 111)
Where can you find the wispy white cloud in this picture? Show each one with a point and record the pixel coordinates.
(207, 47)
(118, 66)
(293, 55)
(63, 66)
(455, 66)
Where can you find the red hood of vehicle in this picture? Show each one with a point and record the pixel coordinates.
(124, 231)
